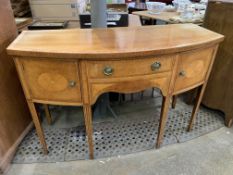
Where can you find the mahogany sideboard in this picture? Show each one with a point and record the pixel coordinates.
(74, 67)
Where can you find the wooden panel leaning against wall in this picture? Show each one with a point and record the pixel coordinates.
(15, 120)
(219, 90)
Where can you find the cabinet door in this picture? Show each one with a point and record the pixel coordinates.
(51, 80)
(192, 69)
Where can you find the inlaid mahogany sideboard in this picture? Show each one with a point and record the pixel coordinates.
(74, 67)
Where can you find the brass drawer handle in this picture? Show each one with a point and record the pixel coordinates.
(182, 73)
(108, 71)
(72, 83)
(156, 66)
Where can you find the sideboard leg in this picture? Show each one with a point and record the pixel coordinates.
(47, 114)
(228, 120)
(37, 123)
(163, 119)
(200, 93)
(174, 100)
(88, 123)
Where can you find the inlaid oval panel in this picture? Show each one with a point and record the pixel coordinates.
(52, 82)
(192, 69)
(195, 68)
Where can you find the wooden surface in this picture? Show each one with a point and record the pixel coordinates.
(219, 1)
(112, 60)
(163, 16)
(219, 91)
(199, 61)
(14, 115)
(21, 23)
(54, 77)
(112, 43)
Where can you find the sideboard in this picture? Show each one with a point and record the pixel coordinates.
(74, 67)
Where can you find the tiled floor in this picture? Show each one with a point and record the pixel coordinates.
(134, 130)
(210, 154)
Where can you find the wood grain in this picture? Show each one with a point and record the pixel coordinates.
(39, 129)
(53, 80)
(127, 68)
(126, 72)
(192, 64)
(202, 90)
(111, 43)
(14, 115)
(163, 119)
(219, 93)
(163, 16)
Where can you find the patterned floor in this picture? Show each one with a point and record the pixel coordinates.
(134, 130)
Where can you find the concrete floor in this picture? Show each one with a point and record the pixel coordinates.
(211, 154)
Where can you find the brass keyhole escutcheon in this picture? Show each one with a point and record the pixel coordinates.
(182, 73)
(72, 83)
(108, 71)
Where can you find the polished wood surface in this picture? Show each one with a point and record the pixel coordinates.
(201, 89)
(108, 60)
(191, 64)
(163, 16)
(14, 115)
(167, 17)
(112, 43)
(219, 90)
(134, 68)
(59, 79)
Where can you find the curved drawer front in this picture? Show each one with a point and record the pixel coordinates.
(130, 84)
(52, 80)
(192, 69)
(128, 68)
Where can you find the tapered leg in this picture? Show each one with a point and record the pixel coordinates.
(174, 100)
(163, 120)
(39, 129)
(88, 123)
(228, 119)
(200, 93)
(47, 114)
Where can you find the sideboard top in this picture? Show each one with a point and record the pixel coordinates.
(112, 42)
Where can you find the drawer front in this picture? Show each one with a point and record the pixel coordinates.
(128, 68)
(193, 67)
(52, 80)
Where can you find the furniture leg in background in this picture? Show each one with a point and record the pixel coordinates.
(174, 101)
(47, 114)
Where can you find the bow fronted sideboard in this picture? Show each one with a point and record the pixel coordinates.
(74, 67)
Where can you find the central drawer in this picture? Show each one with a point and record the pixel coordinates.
(128, 68)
